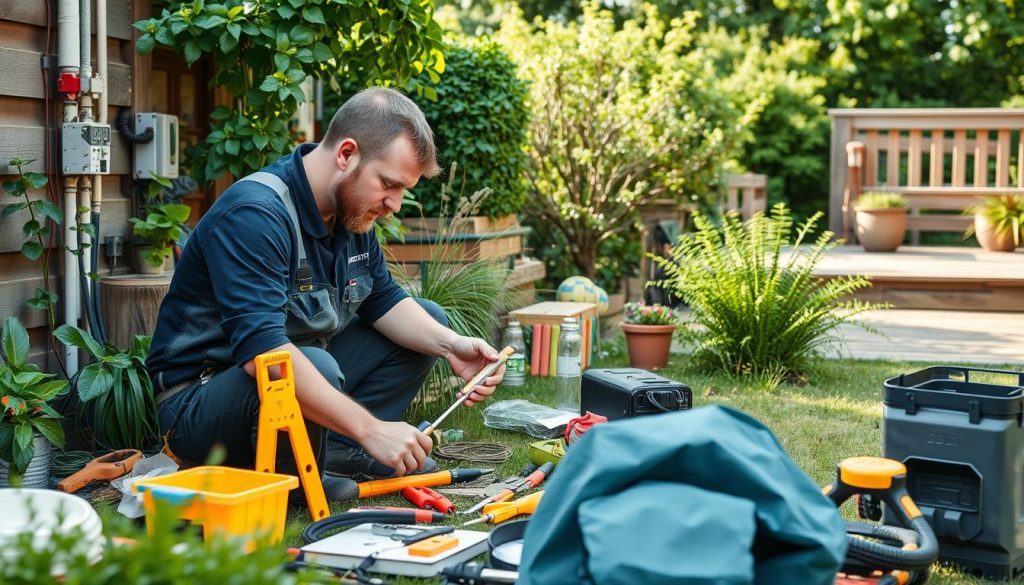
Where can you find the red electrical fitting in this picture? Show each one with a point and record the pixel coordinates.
(69, 83)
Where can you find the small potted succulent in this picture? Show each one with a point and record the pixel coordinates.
(998, 222)
(29, 426)
(881, 220)
(649, 330)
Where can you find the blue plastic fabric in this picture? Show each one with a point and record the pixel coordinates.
(698, 497)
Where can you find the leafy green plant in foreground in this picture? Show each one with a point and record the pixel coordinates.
(24, 393)
(115, 390)
(757, 308)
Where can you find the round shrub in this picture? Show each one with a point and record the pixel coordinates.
(479, 120)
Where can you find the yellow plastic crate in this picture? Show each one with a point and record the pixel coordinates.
(233, 502)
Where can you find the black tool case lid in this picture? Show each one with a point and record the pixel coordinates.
(951, 388)
(632, 380)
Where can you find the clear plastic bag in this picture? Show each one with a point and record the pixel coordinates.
(524, 416)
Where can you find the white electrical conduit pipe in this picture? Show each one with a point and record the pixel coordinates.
(85, 42)
(68, 61)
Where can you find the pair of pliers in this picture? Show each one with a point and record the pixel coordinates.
(106, 467)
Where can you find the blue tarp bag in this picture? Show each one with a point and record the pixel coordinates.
(699, 497)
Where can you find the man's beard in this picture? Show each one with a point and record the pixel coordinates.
(356, 220)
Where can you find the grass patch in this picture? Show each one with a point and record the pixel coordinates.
(837, 414)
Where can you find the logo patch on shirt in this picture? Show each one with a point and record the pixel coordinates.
(359, 257)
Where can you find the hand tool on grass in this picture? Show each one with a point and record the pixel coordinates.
(427, 499)
(428, 427)
(379, 487)
(498, 512)
(529, 482)
(109, 466)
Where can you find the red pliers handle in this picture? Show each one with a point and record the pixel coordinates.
(427, 499)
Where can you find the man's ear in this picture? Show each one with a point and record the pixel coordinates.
(347, 154)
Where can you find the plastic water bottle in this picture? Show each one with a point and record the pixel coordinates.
(569, 374)
(515, 367)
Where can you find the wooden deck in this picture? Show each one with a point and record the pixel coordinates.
(943, 278)
(938, 337)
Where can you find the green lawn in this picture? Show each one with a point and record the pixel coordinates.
(837, 414)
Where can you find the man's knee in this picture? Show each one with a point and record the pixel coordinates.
(326, 365)
(434, 310)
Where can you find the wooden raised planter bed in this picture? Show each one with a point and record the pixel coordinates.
(473, 238)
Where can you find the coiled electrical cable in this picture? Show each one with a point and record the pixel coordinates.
(473, 452)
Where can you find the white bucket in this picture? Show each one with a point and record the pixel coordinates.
(44, 513)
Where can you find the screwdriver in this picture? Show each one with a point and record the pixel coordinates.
(529, 482)
(428, 427)
(499, 512)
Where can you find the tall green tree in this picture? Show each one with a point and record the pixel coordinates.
(263, 51)
(620, 119)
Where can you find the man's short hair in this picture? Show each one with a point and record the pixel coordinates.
(375, 117)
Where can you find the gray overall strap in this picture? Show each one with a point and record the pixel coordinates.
(278, 186)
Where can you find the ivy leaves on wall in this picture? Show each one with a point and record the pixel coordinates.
(262, 53)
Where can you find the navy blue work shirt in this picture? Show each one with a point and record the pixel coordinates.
(226, 302)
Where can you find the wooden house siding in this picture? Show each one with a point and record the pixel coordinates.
(23, 37)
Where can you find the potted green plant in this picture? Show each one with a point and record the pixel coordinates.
(881, 220)
(115, 392)
(998, 222)
(649, 330)
(29, 427)
(161, 228)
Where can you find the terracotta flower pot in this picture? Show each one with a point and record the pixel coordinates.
(881, 230)
(648, 345)
(989, 238)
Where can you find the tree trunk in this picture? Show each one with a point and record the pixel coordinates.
(130, 304)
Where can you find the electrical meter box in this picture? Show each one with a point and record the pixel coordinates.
(85, 148)
(158, 156)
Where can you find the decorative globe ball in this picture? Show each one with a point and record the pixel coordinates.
(577, 289)
(601, 300)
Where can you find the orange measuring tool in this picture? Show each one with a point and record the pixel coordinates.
(109, 466)
(279, 411)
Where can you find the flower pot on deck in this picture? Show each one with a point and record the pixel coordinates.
(991, 239)
(881, 230)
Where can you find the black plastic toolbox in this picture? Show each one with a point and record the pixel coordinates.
(959, 431)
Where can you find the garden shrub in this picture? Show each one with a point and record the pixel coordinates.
(479, 120)
(619, 119)
(756, 308)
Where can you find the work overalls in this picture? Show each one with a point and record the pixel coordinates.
(223, 406)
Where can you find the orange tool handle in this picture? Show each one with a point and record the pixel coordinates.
(109, 466)
(427, 499)
(502, 511)
(377, 487)
(534, 479)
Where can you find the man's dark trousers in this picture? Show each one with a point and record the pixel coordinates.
(369, 367)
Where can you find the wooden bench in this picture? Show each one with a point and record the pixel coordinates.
(942, 160)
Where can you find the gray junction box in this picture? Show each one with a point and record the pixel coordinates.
(962, 440)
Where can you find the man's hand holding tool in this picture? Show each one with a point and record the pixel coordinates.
(469, 356)
(468, 389)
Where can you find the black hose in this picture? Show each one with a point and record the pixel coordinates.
(323, 528)
(123, 126)
(885, 557)
(83, 284)
(97, 304)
